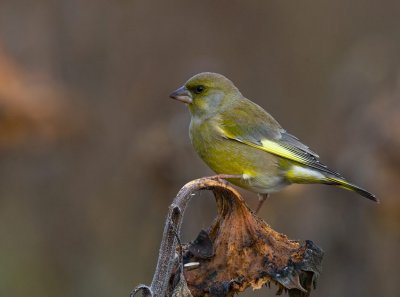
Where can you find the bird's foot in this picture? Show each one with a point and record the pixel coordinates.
(223, 177)
(261, 200)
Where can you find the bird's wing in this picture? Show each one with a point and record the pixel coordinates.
(248, 123)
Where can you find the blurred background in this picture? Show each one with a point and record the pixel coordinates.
(92, 150)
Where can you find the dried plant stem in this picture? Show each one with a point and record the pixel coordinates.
(238, 251)
(159, 284)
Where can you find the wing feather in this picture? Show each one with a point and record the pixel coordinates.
(248, 123)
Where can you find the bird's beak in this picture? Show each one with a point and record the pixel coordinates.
(182, 94)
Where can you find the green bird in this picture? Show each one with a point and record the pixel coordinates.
(244, 144)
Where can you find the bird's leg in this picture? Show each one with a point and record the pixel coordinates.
(223, 177)
(261, 200)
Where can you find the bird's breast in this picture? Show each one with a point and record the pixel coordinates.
(225, 156)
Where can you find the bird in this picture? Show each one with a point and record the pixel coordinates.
(243, 144)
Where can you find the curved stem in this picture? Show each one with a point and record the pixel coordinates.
(159, 284)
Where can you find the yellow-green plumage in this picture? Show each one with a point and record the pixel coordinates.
(235, 136)
(230, 157)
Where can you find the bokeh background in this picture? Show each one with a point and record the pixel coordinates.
(92, 150)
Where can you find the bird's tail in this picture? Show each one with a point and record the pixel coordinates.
(349, 186)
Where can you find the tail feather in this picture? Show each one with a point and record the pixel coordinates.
(349, 186)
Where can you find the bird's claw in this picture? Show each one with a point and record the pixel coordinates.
(223, 177)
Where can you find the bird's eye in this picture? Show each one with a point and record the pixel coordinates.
(199, 89)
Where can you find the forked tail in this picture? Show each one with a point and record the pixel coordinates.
(349, 186)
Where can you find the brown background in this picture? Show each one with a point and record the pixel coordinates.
(92, 150)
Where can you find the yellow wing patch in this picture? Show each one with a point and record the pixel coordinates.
(276, 149)
(269, 146)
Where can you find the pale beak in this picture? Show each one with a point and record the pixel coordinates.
(182, 94)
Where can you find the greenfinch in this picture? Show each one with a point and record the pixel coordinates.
(244, 144)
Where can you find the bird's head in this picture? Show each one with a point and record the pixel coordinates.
(206, 93)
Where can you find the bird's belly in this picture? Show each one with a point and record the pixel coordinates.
(260, 170)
